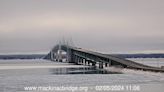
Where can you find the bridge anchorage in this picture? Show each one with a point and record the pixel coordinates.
(85, 57)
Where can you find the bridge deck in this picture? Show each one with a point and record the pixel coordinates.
(122, 61)
(130, 64)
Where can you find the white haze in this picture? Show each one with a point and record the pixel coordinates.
(109, 26)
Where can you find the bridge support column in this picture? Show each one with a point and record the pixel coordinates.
(110, 63)
(53, 56)
(81, 61)
(71, 57)
(101, 65)
(106, 64)
(93, 64)
(85, 62)
(89, 62)
(76, 59)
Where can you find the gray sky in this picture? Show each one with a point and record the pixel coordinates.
(109, 26)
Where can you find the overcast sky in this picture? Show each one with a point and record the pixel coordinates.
(109, 26)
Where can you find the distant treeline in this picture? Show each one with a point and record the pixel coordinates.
(32, 56)
(41, 56)
(140, 55)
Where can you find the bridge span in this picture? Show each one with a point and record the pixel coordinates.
(87, 57)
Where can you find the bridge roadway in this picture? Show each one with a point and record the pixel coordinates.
(83, 56)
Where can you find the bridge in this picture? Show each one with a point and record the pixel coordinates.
(86, 57)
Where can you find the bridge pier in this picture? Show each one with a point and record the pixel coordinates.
(81, 61)
(85, 62)
(94, 64)
(110, 64)
(106, 64)
(53, 56)
(76, 60)
(101, 65)
(88, 62)
(60, 60)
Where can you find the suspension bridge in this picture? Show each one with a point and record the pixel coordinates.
(86, 57)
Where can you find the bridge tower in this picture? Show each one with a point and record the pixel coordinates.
(59, 59)
(67, 53)
(51, 55)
